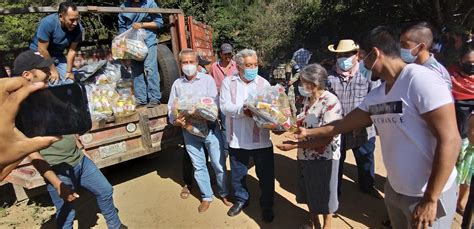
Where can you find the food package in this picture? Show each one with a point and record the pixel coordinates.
(207, 109)
(130, 45)
(198, 110)
(101, 98)
(270, 108)
(124, 106)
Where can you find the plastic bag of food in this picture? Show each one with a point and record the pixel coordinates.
(101, 99)
(125, 105)
(207, 109)
(130, 45)
(196, 126)
(270, 108)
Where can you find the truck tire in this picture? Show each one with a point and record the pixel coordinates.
(168, 69)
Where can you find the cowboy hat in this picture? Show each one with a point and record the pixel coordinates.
(346, 45)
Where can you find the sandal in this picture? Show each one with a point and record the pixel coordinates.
(185, 192)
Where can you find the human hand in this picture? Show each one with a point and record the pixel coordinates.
(424, 214)
(287, 145)
(137, 25)
(300, 133)
(69, 75)
(66, 193)
(247, 112)
(54, 76)
(14, 145)
(180, 121)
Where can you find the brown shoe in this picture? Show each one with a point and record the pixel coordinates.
(226, 200)
(204, 206)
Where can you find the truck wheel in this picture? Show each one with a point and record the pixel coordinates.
(168, 69)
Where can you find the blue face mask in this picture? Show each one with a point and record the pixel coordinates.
(303, 91)
(407, 56)
(250, 73)
(203, 70)
(364, 71)
(345, 63)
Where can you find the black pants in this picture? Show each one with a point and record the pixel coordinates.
(265, 167)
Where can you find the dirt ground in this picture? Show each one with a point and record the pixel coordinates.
(146, 192)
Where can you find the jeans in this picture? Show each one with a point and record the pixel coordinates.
(195, 147)
(61, 65)
(86, 175)
(149, 89)
(364, 156)
(400, 207)
(265, 167)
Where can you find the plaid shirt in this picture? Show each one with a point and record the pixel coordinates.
(301, 57)
(351, 91)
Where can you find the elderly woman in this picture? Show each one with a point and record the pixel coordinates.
(318, 160)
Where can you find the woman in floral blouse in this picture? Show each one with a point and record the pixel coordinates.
(318, 162)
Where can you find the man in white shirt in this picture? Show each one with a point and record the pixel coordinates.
(245, 138)
(199, 84)
(414, 115)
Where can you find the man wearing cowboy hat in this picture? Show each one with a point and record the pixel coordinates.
(351, 87)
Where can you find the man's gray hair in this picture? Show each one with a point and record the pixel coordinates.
(187, 51)
(316, 74)
(239, 57)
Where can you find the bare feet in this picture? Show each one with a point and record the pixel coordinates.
(204, 206)
(227, 202)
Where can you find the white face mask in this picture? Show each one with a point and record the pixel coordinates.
(189, 69)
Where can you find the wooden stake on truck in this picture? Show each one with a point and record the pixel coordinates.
(116, 140)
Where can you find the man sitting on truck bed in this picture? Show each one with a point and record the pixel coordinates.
(57, 32)
(64, 165)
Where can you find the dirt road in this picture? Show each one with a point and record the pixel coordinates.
(147, 195)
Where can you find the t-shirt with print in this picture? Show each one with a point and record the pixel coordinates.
(323, 111)
(63, 151)
(408, 146)
(59, 38)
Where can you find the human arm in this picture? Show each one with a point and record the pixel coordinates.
(355, 119)
(311, 144)
(43, 50)
(442, 123)
(14, 145)
(45, 170)
(71, 54)
(227, 107)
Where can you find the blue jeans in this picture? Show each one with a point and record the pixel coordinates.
(364, 156)
(265, 167)
(195, 148)
(149, 89)
(86, 175)
(61, 65)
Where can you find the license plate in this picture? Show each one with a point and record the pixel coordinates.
(107, 151)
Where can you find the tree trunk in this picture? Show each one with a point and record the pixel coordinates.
(437, 11)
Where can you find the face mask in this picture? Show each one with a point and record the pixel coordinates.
(364, 71)
(468, 68)
(407, 56)
(189, 69)
(203, 70)
(250, 73)
(303, 91)
(369, 71)
(345, 63)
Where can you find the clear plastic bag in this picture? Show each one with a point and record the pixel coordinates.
(270, 108)
(198, 110)
(101, 98)
(130, 45)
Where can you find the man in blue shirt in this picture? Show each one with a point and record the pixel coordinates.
(55, 33)
(145, 92)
